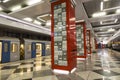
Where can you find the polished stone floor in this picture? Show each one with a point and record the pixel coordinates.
(99, 66)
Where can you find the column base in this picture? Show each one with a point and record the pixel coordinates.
(89, 54)
(63, 71)
(81, 58)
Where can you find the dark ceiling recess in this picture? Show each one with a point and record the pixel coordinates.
(19, 33)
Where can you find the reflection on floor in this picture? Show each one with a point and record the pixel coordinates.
(99, 66)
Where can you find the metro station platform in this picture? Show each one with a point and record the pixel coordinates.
(99, 66)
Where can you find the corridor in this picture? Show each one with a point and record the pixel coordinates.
(99, 66)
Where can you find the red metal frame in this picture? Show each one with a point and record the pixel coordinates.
(96, 45)
(71, 37)
(84, 33)
(89, 36)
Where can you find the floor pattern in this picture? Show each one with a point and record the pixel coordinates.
(99, 66)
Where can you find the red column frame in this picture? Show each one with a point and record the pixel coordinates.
(71, 57)
(84, 33)
(89, 35)
(96, 45)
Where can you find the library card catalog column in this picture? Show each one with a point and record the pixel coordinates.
(63, 37)
(88, 42)
(81, 40)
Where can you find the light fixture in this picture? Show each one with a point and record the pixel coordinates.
(44, 15)
(41, 16)
(99, 14)
(31, 2)
(61, 71)
(37, 22)
(116, 20)
(4, 1)
(118, 11)
(105, 0)
(41, 19)
(80, 21)
(15, 8)
(48, 23)
(101, 22)
(1, 9)
(28, 19)
(23, 22)
(101, 5)
(73, 70)
(22, 46)
(111, 30)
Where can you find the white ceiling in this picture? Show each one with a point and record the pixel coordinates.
(43, 8)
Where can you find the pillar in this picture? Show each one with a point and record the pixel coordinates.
(81, 40)
(63, 37)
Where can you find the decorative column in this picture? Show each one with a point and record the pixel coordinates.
(96, 44)
(81, 40)
(63, 37)
(88, 35)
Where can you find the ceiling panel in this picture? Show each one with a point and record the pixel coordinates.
(33, 11)
(91, 7)
(111, 4)
(94, 6)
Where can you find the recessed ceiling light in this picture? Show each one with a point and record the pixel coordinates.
(99, 14)
(116, 20)
(111, 30)
(5, 1)
(44, 15)
(101, 5)
(101, 22)
(41, 16)
(15, 8)
(1, 8)
(37, 22)
(28, 19)
(31, 2)
(48, 23)
(41, 19)
(105, 0)
(118, 11)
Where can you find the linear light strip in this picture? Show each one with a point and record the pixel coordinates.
(101, 5)
(73, 70)
(61, 71)
(114, 36)
(26, 7)
(11, 18)
(80, 21)
(64, 71)
(116, 20)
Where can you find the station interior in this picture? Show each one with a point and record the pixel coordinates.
(59, 39)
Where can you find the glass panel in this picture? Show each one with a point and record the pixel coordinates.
(14, 47)
(38, 49)
(47, 47)
(29, 47)
(5, 47)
